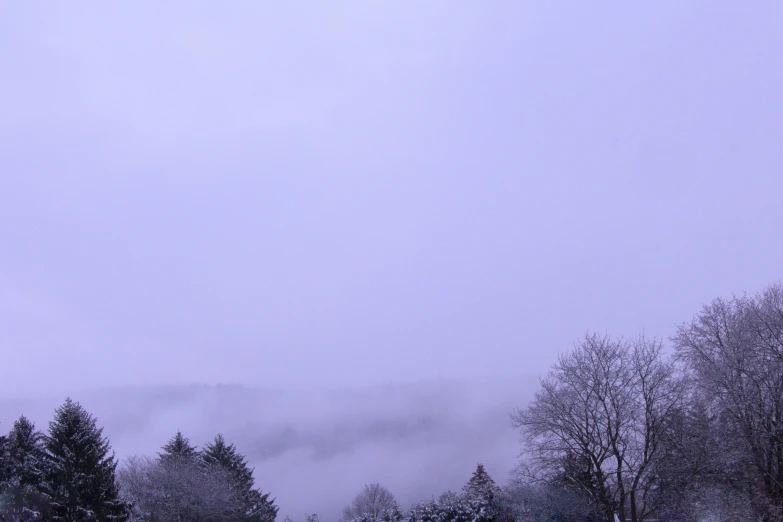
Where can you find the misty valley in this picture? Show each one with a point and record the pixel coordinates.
(314, 450)
(620, 429)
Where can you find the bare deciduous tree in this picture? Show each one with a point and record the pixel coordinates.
(734, 349)
(373, 502)
(177, 489)
(597, 422)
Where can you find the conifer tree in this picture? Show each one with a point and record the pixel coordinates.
(26, 454)
(22, 474)
(80, 474)
(481, 485)
(219, 453)
(481, 495)
(178, 447)
(5, 461)
(257, 506)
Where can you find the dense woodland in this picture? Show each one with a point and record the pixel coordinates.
(619, 428)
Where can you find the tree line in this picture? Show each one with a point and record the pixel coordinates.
(480, 500)
(620, 429)
(70, 474)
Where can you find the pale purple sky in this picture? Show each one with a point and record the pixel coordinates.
(297, 194)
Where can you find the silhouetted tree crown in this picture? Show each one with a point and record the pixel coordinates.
(374, 503)
(225, 456)
(178, 447)
(480, 485)
(80, 470)
(25, 454)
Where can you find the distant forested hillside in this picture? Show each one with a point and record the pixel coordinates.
(315, 449)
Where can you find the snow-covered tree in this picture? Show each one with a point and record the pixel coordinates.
(23, 474)
(455, 507)
(6, 466)
(734, 350)
(178, 489)
(214, 485)
(178, 447)
(80, 470)
(258, 506)
(448, 497)
(446, 509)
(373, 503)
(537, 502)
(26, 452)
(481, 485)
(24, 504)
(598, 421)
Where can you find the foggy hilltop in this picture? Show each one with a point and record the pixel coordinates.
(313, 450)
(377, 224)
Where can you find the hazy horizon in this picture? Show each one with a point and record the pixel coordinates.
(381, 220)
(318, 195)
(315, 450)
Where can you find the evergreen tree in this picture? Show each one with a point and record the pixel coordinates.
(481, 485)
(178, 447)
(27, 455)
(5, 462)
(24, 504)
(23, 474)
(452, 507)
(449, 507)
(480, 496)
(218, 453)
(80, 470)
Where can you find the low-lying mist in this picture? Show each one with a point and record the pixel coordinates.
(315, 450)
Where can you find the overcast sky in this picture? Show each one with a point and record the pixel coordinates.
(297, 194)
